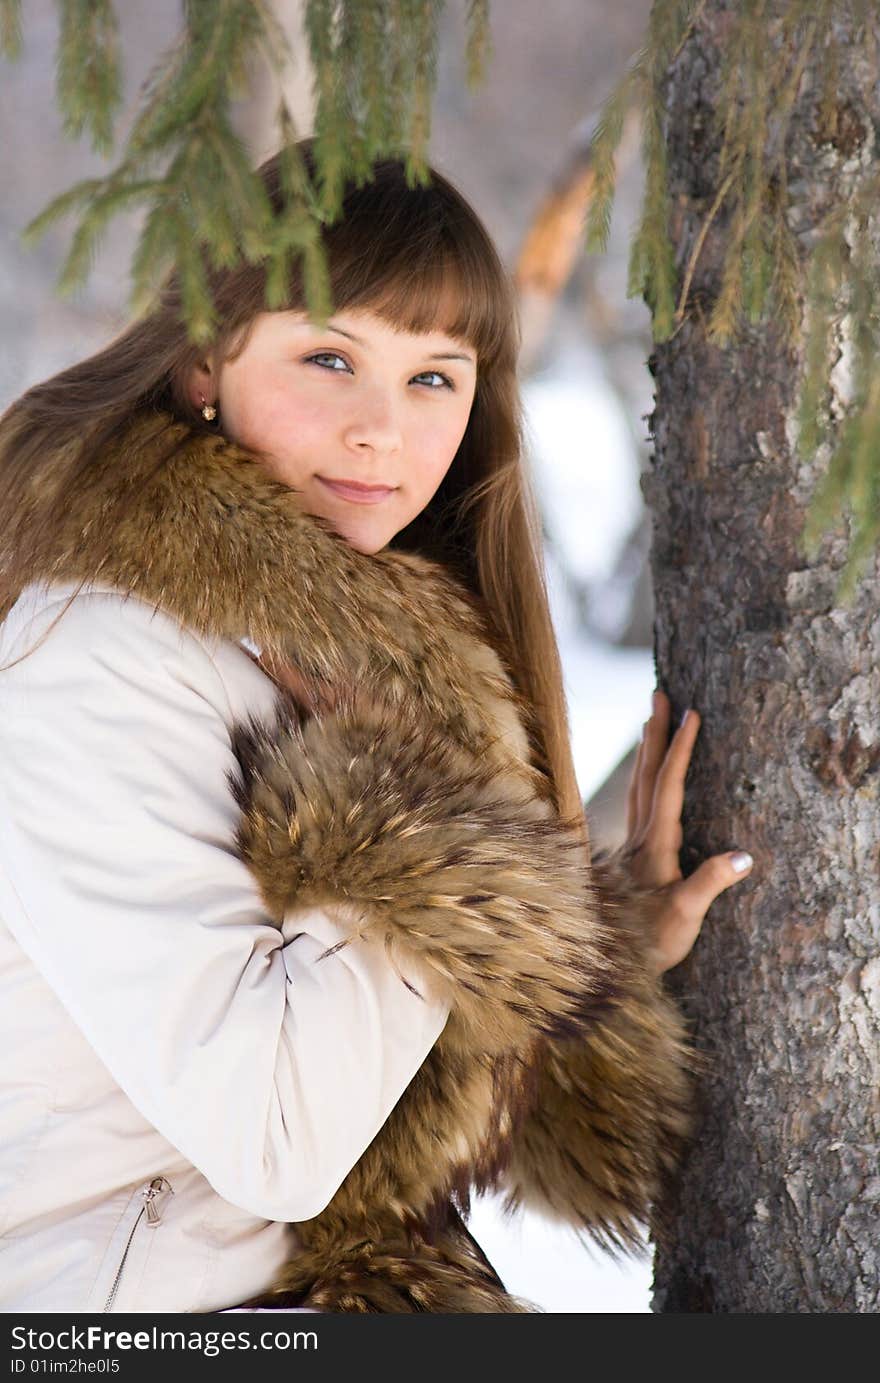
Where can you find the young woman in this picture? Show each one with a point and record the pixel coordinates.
(300, 937)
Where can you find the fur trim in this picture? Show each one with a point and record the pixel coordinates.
(193, 524)
(405, 1274)
(560, 1074)
(450, 859)
(612, 1114)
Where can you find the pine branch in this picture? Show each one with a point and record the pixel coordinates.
(605, 144)
(374, 68)
(89, 80)
(652, 272)
(10, 29)
(373, 76)
(785, 258)
(154, 255)
(424, 16)
(332, 131)
(698, 245)
(768, 51)
(479, 42)
(398, 74)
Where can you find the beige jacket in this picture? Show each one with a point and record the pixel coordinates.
(180, 1079)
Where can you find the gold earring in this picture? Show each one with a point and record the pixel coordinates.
(209, 412)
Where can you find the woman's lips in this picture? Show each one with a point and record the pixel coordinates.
(357, 496)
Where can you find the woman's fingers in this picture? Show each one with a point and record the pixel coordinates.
(654, 805)
(656, 733)
(679, 923)
(696, 894)
(659, 772)
(632, 794)
(668, 799)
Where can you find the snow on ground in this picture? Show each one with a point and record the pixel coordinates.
(586, 475)
(552, 1268)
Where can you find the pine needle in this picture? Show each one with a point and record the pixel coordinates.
(10, 29)
(89, 80)
(479, 42)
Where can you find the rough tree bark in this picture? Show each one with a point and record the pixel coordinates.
(777, 1207)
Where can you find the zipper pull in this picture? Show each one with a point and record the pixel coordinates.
(158, 1188)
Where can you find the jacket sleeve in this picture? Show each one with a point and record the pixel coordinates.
(612, 1108)
(269, 1064)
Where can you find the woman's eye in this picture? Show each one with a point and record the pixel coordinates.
(446, 382)
(326, 355)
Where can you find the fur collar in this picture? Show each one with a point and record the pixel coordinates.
(560, 1076)
(192, 523)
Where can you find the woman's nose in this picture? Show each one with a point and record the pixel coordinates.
(374, 422)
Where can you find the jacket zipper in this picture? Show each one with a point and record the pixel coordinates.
(152, 1195)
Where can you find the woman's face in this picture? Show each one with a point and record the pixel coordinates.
(355, 402)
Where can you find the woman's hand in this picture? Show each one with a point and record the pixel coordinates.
(654, 836)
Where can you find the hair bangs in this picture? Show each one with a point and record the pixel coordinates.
(419, 259)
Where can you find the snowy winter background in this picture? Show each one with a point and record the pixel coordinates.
(590, 502)
(585, 392)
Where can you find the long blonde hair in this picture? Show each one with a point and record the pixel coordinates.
(411, 255)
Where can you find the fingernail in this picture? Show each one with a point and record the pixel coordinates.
(684, 716)
(741, 861)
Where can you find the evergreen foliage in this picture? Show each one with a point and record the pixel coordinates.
(10, 28)
(834, 316)
(89, 78)
(374, 65)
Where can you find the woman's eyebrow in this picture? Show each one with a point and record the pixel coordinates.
(437, 355)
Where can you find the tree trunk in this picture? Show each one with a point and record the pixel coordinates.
(777, 1206)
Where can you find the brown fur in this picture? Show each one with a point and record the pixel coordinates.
(608, 1124)
(560, 1076)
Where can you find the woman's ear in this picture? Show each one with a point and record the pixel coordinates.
(202, 385)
